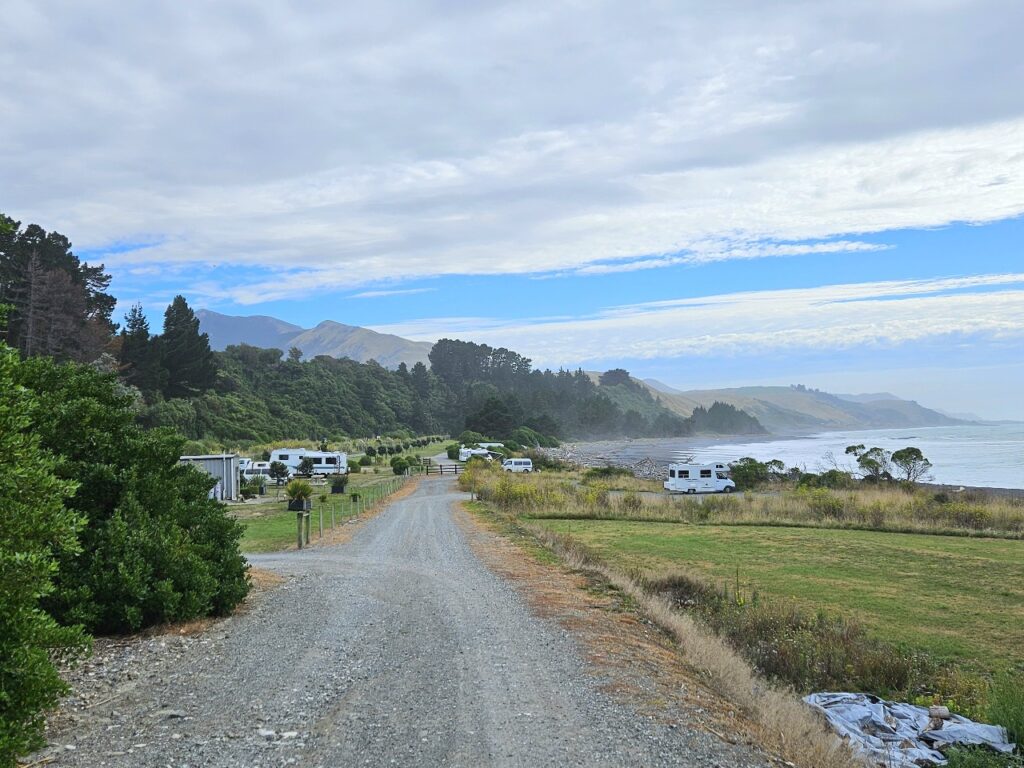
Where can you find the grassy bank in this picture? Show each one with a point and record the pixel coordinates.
(959, 599)
(800, 587)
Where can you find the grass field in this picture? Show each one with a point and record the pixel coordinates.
(269, 526)
(960, 599)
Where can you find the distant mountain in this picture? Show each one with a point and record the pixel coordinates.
(327, 338)
(869, 398)
(796, 409)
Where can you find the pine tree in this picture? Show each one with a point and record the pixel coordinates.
(186, 353)
(140, 361)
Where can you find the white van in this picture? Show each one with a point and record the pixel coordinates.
(517, 465)
(699, 478)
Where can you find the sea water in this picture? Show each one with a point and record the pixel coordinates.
(991, 456)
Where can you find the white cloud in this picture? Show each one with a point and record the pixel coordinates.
(837, 317)
(396, 292)
(320, 147)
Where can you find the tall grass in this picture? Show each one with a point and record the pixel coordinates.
(863, 508)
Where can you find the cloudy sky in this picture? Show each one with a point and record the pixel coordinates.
(711, 194)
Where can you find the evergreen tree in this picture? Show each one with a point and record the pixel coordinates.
(140, 353)
(186, 352)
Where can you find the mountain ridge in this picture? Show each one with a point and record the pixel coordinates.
(328, 337)
(797, 409)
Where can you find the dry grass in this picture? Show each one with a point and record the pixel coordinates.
(562, 495)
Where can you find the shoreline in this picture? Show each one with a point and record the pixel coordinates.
(646, 456)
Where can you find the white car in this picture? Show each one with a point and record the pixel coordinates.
(517, 465)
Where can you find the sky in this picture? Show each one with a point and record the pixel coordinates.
(710, 194)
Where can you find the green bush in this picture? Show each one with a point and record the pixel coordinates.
(155, 547)
(452, 451)
(35, 527)
(961, 757)
(603, 473)
(365, 461)
(298, 490)
(1006, 704)
(339, 481)
(399, 464)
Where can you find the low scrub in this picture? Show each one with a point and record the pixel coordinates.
(811, 651)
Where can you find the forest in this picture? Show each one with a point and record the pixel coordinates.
(60, 308)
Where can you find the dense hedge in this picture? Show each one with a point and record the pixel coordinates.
(34, 528)
(154, 548)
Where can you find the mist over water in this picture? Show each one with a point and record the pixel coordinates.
(988, 456)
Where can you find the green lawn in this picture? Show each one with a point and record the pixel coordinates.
(958, 598)
(269, 526)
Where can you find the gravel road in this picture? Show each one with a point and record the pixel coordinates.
(399, 648)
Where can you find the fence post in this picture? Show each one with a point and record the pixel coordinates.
(320, 508)
(306, 515)
(298, 520)
(332, 515)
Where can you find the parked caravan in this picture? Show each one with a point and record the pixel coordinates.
(517, 465)
(256, 469)
(465, 454)
(324, 462)
(699, 478)
(221, 466)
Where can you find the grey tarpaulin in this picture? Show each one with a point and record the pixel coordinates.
(897, 735)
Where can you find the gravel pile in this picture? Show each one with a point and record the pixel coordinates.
(399, 648)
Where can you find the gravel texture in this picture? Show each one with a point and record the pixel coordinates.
(397, 649)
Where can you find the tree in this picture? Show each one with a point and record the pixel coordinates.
(59, 305)
(911, 463)
(155, 547)
(141, 365)
(190, 364)
(495, 418)
(35, 528)
(749, 473)
(306, 466)
(278, 471)
(875, 463)
(294, 355)
(615, 377)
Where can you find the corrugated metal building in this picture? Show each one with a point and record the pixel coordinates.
(223, 467)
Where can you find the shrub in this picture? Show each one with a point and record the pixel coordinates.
(298, 490)
(35, 526)
(810, 651)
(155, 547)
(452, 451)
(979, 757)
(399, 464)
(1006, 704)
(340, 481)
(631, 502)
(543, 461)
(823, 504)
(603, 473)
(365, 461)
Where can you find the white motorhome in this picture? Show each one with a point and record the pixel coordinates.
(256, 469)
(699, 478)
(324, 462)
(466, 453)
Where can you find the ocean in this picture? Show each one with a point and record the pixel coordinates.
(985, 456)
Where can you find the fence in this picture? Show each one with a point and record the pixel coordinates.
(351, 504)
(444, 469)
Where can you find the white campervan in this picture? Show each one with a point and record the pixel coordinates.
(465, 454)
(699, 478)
(517, 465)
(324, 462)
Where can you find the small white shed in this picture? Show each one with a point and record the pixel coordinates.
(222, 466)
